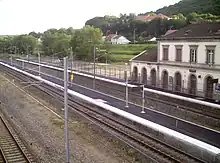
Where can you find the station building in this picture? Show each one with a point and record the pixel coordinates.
(187, 61)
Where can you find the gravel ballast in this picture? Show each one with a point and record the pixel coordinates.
(43, 131)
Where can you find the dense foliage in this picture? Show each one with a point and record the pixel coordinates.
(127, 26)
(188, 6)
(182, 13)
(55, 42)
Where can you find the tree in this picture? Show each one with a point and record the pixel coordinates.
(56, 42)
(70, 31)
(84, 40)
(34, 34)
(188, 6)
(25, 44)
(6, 44)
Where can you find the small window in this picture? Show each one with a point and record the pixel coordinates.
(165, 53)
(178, 53)
(210, 54)
(193, 54)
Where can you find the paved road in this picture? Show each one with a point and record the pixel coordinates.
(195, 131)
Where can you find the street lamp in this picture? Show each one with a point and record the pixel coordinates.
(126, 89)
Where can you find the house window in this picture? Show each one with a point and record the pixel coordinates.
(165, 53)
(178, 53)
(210, 54)
(193, 54)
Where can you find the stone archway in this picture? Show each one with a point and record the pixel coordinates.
(144, 75)
(192, 86)
(209, 87)
(178, 81)
(153, 77)
(135, 74)
(165, 79)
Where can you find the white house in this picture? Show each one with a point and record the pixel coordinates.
(188, 61)
(153, 39)
(119, 40)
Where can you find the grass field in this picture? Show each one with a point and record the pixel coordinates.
(123, 53)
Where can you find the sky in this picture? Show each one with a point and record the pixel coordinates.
(24, 16)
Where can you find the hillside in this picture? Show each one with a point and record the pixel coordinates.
(188, 6)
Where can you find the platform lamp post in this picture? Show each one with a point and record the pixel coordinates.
(39, 62)
(94, 60)
(71, 55)
(11, 60)
(65, 60)
(126, 88)
(143, 101)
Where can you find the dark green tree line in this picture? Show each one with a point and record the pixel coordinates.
(56, 42)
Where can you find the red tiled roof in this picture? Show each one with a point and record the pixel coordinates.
(109, 37)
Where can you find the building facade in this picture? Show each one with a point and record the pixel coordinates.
(188, 61)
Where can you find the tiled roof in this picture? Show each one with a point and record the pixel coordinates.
(149, 56)
(109, 37)
(195, 31)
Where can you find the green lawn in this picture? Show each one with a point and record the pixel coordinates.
(123, 53)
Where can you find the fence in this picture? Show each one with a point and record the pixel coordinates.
(118, 72)
(101, 69)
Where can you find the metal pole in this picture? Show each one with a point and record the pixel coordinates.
(106, 63)
(66, 108)
(126, 91)
(94, 51)
(71, 54)
(143, 101)
(39, 63)
(11, 61)
(134, 36)
(22, 64)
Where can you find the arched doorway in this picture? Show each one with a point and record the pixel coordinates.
(192, 87)
(208, 87)
(178, 82)
(135, 74)
(153, 77)
(144, 75)
(165, 79)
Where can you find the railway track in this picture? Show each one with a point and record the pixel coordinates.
(10, 148)
(209, 118)
(160, 100)
(146, 144)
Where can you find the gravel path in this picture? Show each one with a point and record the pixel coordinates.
(43, 131)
